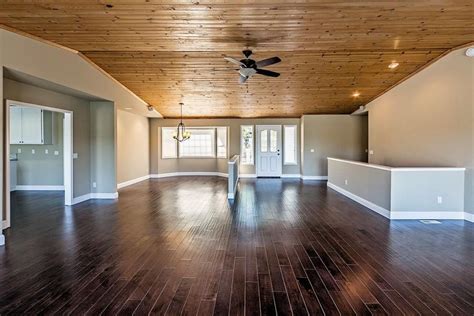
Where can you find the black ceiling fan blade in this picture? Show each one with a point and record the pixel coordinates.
(242, 79)
(268, 62)
(267, 73)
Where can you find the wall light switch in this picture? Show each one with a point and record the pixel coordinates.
(19, 150)
(33, 151)
(94, 184)
(56, 153)
(346, 182)
(440, 199)
(312, 150)
(75, 155)
(46, 151)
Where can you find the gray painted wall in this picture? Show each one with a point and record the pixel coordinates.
(341, 136)
(366, 182)
(103, 149)
(428, 120)
(18, 91)
(94, 134)
(418, 191)
(158, 165)
(41, 168)
(133, 154)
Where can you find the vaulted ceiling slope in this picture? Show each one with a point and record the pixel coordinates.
(172, 51)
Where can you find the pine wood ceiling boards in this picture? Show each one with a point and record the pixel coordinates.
(172, 51)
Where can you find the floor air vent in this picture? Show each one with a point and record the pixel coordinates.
(430, 221)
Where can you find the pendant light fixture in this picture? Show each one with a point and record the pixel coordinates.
(181, 134)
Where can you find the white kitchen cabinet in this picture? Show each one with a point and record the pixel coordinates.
(30, 125)
(15, 125)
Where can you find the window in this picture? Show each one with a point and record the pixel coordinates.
(264, 141)
(168, 143)
(221, 142)
(290, 144)
(246, 145)
(205, 142)
(201, 144)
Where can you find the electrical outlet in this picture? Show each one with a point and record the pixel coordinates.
(56, 153)
(19, 151)
(312, 150)
(94, 184)
(75, 155)
(33, 151)
(346, 182)
(371, 152)
(440, 199)
(46, 151)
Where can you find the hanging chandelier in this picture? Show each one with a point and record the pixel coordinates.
(181, 133)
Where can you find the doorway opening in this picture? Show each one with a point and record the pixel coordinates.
(39, 151)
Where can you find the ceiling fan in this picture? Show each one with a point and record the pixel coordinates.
(250, 67)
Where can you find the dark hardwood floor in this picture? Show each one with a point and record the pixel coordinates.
(176, 246)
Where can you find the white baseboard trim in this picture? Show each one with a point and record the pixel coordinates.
(247, 175)
(314, 177)
(133, 181)
(426, 215)
(91, 196)
(403, 215)
(187, 174)
(291, 175)
(374, 207)
(469, 217)
(2, 240)
(39, 188)
(5, 224)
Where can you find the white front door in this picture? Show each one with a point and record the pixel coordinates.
(268, 150)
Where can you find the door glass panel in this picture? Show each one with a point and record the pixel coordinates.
(264, 141)
(273, 141)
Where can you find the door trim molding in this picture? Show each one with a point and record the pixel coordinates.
(257, 149)
(68, 145)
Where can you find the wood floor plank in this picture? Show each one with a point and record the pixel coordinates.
(176, 246)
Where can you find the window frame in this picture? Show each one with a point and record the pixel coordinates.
(214, 140)
(163, 128)
(252, 163)
(213, 144)
(226, 128)
(295, 163)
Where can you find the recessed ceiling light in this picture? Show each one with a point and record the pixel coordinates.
(128, 108)
(356, 94)
(393, 65)
(470, 52)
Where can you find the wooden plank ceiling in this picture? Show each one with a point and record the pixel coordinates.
(172, 51)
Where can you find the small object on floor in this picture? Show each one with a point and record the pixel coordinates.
(430, 221)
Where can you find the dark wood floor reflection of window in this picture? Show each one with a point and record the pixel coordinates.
(176, 246)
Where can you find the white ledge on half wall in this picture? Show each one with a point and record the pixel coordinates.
(392, 169)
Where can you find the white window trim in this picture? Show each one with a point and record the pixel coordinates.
(253, 146)
(296, 145)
